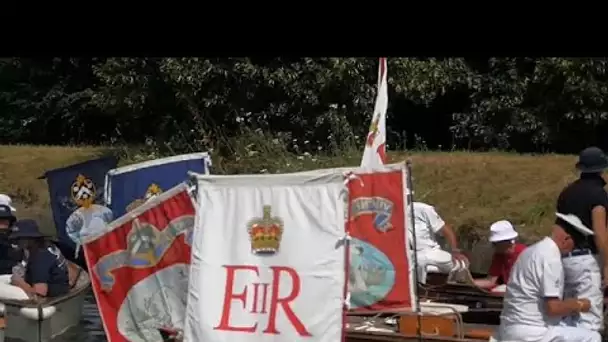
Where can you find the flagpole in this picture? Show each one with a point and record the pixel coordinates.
(410, 199)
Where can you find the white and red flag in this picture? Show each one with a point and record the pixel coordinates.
(380, 275)
(380, 278)
(139, 268)
(374, 153)
(268, 259)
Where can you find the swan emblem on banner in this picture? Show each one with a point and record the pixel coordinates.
(372, 274)
(146, 246)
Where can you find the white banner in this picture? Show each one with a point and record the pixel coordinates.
(374, 152)
(312, 174)
(268, 259)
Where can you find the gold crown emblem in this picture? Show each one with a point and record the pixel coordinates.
(83, 191)
(153, 190)
(265, 233)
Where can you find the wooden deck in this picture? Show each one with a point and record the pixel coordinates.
(434, 328)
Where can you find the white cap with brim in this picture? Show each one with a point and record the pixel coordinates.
(502, 231)
(6, 200)
(575, 222)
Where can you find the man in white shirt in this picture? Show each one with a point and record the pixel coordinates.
(534, 306)
(428, 251)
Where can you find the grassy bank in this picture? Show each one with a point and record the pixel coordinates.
(470, 190)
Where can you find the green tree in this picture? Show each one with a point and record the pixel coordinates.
(306, 103)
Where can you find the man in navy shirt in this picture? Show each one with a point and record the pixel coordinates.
(46, 273)
(587, 199)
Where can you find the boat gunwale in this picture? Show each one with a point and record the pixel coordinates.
(46, 302)
(391, 311)
(396, 337)
(457, 287)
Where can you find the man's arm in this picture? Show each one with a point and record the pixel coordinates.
(450, 237)
(486, 283)
(41, 289)
(39, 271)
(598, 219)
(22, 284)
(438, 225)
(493, 273)
(552, 288)
(556, 307)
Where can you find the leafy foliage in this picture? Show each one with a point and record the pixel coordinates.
(182, 104)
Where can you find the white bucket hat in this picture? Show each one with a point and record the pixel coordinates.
(6, 200)
(575, 222)
(502, 231)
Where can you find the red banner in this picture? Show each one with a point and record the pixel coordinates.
(378, 278)
(139, 269)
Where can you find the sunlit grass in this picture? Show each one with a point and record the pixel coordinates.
(470, 190)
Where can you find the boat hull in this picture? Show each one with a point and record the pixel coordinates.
(67, 314)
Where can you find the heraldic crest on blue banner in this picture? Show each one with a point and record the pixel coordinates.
(152, 191)
(76, 198)
(129, 186)
(87, 217)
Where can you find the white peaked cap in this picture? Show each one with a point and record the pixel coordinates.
(6, 200)
(575, 222)
(502, 231)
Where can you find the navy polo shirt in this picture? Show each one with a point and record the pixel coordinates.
(9, 257)
(48, 266)
(579, 198)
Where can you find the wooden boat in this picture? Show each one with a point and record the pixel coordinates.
(484, 306)
(438, 286)
(41, 322)
(439, 322)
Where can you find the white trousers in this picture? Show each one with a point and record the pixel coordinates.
(583, 279)
(435, 260)
(525, 333)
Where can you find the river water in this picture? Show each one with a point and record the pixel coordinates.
(90, 328)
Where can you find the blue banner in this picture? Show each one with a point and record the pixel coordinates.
(130, 186)
(75, 192)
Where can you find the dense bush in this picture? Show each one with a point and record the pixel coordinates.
(182, 104)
